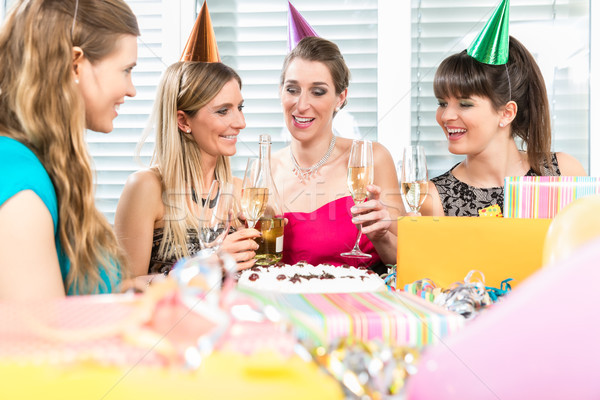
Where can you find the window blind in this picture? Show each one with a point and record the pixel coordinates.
(114, 153)
(556, 32)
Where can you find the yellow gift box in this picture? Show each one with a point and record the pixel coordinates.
(445, 249)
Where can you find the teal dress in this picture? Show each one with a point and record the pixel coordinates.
(21, 170)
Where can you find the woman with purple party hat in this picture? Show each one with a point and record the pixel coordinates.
(311, 173)
(490, 96)
(197, 117)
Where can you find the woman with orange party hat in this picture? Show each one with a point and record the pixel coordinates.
(312, 172)
(490, 95)
(197, 118)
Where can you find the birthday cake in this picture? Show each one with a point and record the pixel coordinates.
(307, 278)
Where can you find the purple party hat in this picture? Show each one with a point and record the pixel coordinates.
(298, 28)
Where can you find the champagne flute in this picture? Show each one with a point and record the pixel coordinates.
(255, 193)
(216, 215)
(360, 174)
(413, 178)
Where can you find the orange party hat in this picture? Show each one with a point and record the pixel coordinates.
(202, 43)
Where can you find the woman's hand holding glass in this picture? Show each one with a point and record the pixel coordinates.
(360, 175)
(241, 246)
(413, 178)
(372, 215)
(255, 192)
(215, 221)
(216, 215)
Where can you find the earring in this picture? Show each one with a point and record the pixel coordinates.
(337, 109)
(501, 124)
(76, 81)
(189, 130)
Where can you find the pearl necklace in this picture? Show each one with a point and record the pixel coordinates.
(304, 174)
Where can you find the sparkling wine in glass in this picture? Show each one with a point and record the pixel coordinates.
(360, 174)
(216, 215)
(413, 178)
(255, 193)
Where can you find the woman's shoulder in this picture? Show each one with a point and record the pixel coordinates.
(569, 165)
(382, 154)
(141, 196)
(20, 170)
(148, 179)
(18, 158)
(144, 185)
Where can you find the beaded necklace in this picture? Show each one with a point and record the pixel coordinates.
(304, 174)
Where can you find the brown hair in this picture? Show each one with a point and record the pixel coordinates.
(462, 76)
(187, 86)
(313, 48)
(41, 107)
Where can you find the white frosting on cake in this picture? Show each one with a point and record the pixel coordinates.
(307, 278)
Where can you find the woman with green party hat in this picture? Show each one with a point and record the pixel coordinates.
(489, 95)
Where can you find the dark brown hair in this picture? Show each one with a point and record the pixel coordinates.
(462, 76)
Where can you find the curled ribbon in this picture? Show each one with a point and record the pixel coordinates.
(495, 293)
(465, 297)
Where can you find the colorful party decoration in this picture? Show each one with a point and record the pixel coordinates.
(202, 43)
(155, 345)
(575, 225)
(491, 211)
(298, 27)
(467, 297)
(370, 370)
(544, 196)
(491, 45)
(537, 344)
(396, 318)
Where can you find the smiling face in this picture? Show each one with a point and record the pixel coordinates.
(105, 83)
(215, 126)
(470, 124)
(309, 99)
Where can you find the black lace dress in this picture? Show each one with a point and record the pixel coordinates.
(461, 200)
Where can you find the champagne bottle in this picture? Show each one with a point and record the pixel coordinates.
(270, 225)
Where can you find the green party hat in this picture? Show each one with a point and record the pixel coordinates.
(491, 46)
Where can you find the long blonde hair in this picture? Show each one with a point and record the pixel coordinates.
(41, 107)
(186, 86)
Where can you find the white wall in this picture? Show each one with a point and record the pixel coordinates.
(594, 88)
(394, 75)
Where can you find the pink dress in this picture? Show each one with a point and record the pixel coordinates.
(320, 236)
